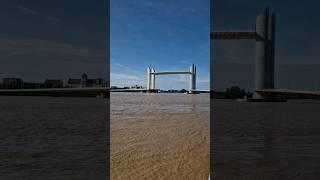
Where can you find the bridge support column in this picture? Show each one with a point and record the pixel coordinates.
(192, 79)
(153, 79)
(148, 79)
(262, 53)
(265, 45)
(271, 51)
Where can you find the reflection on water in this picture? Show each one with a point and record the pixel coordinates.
(159, 136)
(266, 140)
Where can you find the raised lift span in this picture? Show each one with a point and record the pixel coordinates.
(151, 76)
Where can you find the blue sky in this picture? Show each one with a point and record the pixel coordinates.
(61, 39)
(166, 35)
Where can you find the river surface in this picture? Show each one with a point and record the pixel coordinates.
(53, 138)
(160, 136)
(266, 140)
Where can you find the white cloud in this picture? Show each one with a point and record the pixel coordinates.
(123, 79)
(28, 10)
(20, 46)
(54, 20)
(183, 78)
(203, 81)
(121, 65)
(122, 76)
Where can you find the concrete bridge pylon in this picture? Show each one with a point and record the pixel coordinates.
(264, 35)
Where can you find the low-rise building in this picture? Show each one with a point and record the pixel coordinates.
(32, 85)
(50, 83)
(74, 83)
(12, 83)
(85, 82)
(136, 87)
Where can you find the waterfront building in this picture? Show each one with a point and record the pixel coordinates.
(49, 83)
(32, 85)
(12, 83)
(85, 82)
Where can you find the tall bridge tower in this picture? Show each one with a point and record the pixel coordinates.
(264, 35)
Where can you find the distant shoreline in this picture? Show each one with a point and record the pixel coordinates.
(57, 92)
(79, 92)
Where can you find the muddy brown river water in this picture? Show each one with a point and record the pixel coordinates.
(159, 136)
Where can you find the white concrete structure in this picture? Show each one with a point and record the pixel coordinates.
(264, 34)
(148, 78)
(151, 77)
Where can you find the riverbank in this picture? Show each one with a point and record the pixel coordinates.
(57, 92)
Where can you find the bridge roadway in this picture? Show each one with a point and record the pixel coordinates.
(287, 93)
(171, 72)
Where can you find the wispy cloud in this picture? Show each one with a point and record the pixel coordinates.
(183, 78)
(185, 61)
(20, 46)
(28, 10)
(34, 12)
(123, 79)
(122, 76)
(168, 9)
(54, 20)
(121, 66)
(149, 3)
(204, 80)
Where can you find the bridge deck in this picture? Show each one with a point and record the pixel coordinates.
(200, 91)
(291, 93)
(171, 72)
(233, 35)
